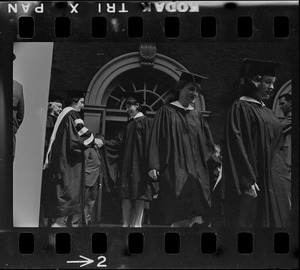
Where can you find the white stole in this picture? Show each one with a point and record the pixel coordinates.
(57, 123)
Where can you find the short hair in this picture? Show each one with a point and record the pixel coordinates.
(70, 101)
(51, 106)
(134, 101)
(246, 84)
(288, 97)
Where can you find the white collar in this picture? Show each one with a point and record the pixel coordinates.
(139, 114)
(250, 99)
(178, 104)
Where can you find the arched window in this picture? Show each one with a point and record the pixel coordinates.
(153, 84)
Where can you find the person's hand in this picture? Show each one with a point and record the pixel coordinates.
(153, 174)
(286, 122)
(98, 142)
(252, 191)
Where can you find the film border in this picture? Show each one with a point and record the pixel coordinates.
(153, 255)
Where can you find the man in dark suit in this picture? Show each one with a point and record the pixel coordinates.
(285, 103)
(18, 109)
(93, 182)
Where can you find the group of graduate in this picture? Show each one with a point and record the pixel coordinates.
(170, 165)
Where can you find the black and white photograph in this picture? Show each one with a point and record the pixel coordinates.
(168, 169)
(191, 134)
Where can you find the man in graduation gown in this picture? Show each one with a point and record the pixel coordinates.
(256, 186)
(93, 184)
(65, 159)
(126, 159)
(180, 146)
(54, 109)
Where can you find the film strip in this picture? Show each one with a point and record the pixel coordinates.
(105, 48)
(208, 24)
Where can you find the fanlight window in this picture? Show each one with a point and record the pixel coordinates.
(153, 85)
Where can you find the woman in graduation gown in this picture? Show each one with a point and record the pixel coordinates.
(65, 160)
(126, 162)
(180, 146)
(257, 185)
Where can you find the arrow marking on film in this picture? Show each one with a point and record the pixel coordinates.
(85, 262)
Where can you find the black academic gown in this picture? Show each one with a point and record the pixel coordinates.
(253, 154)
(66, 165)
(46, 196)
(51, 119)
(180, 147)
(126, 160)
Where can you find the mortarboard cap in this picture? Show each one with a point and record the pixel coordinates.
(75, 94)
(188, 76)
(254, 67)
(54, 97)
(133, 97)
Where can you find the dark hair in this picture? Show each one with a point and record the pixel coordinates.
(70, 101)
(134, 101)
(247, 87)
(50, 108)
(288, 97)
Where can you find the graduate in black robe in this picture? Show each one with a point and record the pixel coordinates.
(257, 185)
(126, 162)
(93, 184)
(54, 109)
(180, 146)
(65, 159)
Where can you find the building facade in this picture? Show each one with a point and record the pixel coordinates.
(107, 70)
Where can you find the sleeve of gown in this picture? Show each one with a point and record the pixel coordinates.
(239, 158)
(208, 139)
(159, 141)
(112, 151)
(146, 137)
(116, 142)
(79, 135)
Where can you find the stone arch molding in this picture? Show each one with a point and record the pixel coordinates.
(98, 92)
